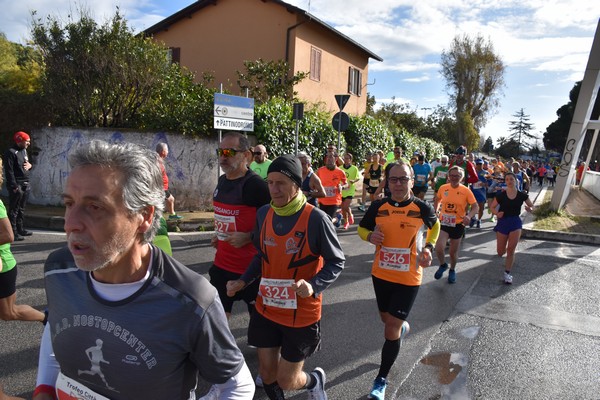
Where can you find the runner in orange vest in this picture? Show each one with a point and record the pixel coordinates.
(299, 256)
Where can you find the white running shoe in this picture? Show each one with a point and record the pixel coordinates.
(318, 392)
(508, 278)
(258, 381)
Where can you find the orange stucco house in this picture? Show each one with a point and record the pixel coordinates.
(219, 35)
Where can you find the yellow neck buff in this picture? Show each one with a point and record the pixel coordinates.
(292, 207)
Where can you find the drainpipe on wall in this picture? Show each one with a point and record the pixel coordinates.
(287, 40)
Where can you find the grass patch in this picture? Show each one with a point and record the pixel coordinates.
(547, 219)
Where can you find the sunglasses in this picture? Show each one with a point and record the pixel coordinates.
(257, 153)
(396, 179)
(228, 152)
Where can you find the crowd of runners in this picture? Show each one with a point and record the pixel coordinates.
(126, 320)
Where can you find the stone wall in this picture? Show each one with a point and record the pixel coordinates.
(191, 165)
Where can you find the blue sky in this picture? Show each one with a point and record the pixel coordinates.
(544, 44)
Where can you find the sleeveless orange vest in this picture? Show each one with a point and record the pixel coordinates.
(287, 259)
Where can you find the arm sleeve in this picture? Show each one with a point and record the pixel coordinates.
(254, 270)
(48, 367)
(323, 240)
(238, 387)
(363, 233)
(433, 233)
(368, 220)
(9, 164)
(214, 349)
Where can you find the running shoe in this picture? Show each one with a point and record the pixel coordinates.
(452, 276)
(351, 219)
(258, 381)
(508, 278)
(175, 217)
(346, 225)
(378, 391)
(213, 394)
(478, 224)
(318, 391)
(361, 208)
(472, 222)
(440, 272)
(338, 221)
(404, 331)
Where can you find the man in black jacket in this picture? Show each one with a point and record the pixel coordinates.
(16, 170)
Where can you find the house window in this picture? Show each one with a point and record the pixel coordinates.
(354, 81)
(315, 64)
(173, 55)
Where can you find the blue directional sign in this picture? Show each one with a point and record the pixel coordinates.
(233, 112)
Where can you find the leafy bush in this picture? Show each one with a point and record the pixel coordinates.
(180, 105)
(276, 129)
(366, 134)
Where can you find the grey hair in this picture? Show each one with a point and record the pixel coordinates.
(302, 154)
(444, 158)
(457, 168)
(161, 146)
(143, 184)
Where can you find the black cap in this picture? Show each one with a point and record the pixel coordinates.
(288, 165)
(460, 150)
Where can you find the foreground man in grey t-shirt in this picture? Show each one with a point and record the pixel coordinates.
(126, 321)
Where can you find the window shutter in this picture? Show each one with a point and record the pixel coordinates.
(359, 83)
(175, 55)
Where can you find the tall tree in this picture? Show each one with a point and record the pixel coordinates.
(488, 145)
(22, 105)
(474, 76)
(557, 132)
(520, 130)
(97, 75)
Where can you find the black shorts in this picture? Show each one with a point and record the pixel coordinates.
(454, 232)
(8, 283)
(419, 189)
(490, 195)
(167, 194)
(347, 198)
(394, 298)
(329, 210)
(297, 344)
(372, 189)
(219, 278)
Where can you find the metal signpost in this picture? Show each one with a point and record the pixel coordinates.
(341, 120)
(297, 116)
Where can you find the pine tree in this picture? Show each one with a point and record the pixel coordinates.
(520, 130)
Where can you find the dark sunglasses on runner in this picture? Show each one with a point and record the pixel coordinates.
(228, 152)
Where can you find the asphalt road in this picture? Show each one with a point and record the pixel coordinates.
(477, 339)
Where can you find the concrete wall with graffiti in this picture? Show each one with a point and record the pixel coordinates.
(191, 165)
